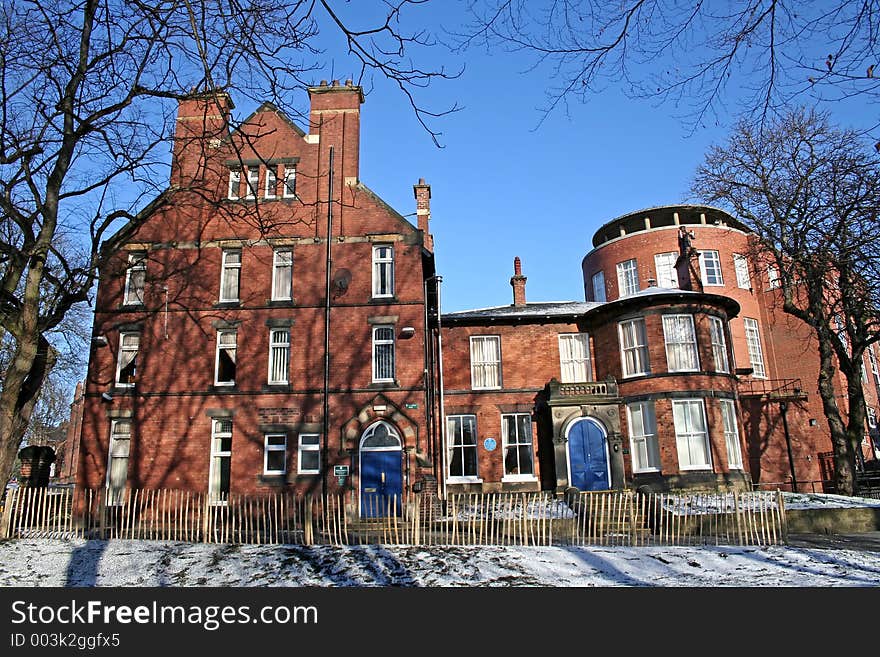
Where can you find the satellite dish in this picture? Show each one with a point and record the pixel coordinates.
(341, 281)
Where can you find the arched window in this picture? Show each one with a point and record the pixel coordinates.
(380, 436)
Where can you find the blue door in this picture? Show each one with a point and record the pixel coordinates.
(586, 456)
(381, 480)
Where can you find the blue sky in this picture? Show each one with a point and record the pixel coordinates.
(505, 186)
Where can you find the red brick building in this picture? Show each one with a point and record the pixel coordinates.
(208, 366)
(272, 325)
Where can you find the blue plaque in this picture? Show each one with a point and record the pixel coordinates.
(490, 444)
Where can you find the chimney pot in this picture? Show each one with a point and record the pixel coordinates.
(421, 181)
(335, 83)
(348, 82)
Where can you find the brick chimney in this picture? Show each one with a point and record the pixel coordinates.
(422, 193)
(518, 281)
(335, 120)
(202, 124)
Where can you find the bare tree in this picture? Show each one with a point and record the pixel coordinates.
(87, 91)
(691, 53)
(811, 194)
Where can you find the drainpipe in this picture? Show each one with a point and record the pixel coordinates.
(324, 449)
(443, 451)
(783, 407)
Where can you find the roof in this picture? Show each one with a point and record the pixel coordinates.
(542, 310)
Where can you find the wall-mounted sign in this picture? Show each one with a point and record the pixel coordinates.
(489, 444)
(413, 406)
(340, 470)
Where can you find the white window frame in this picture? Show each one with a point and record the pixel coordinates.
(218, 433)
(227, 347)
(772, 277)
(118, 441)
(756, 351)
(731, 434)
(383, 377)
(270, 188)
(871, 417)
(872, 359)
(715, 259)
(685, 349)
(279, 346)
(310, 447)
(643, 445)
(664, 266)
(285, 294)
(289, 190)
(227, 269)
(133, 295)
(741, 267)
(383, 271)
(267, 447)
(233, 191)
(627, 278)
(569, 364)
(521, 441)
(485, 365)
(688, 433)
(123, 349)
(640, 349)
(463, 478)
(719, 345)
(598, 280)
(252, 181)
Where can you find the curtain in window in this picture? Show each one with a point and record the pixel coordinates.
(282, 285)
(681, 343)
(280, 356)
(383, 353)
(486, 357)
(231, 272)
(574, 354)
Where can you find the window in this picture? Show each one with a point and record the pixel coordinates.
(634, 347)
(667, 276)
(126, 365)
(271, 182)
(135, 279)
(224, 371)
(599, 286)
(872, 358)
(275, 454)
(516, 430)
(461, 432)
(574, 357)
(309, 459)
(485, 361)
(234, 184)
(383, 353)
(383, 271)
(681, 343)
(643, 437)
(230, 275)
(731, 435)
(279, 355)
(710, 268)
(221, 461)
(691, 436)
(719, 345)
(289, 182)
(772, 277)
(872, 417)
(627, 278)
(741, 267)
(756, 354)
(117, 461)
(282, 276)
(253, 181)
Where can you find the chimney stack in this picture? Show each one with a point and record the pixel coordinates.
(518, 282)
(202, 124)
(422, 192)
(335, 120)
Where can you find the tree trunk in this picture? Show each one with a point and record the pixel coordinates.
(844, 471)
(28, 370)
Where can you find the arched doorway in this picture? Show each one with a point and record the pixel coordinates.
(381, 471)
(588, 464)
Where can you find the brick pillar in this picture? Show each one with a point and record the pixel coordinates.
(518, 281)
(35, 464)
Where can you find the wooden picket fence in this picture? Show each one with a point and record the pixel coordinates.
(609, 518)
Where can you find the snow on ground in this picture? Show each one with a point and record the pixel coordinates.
(57, 562)
(825, 501)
